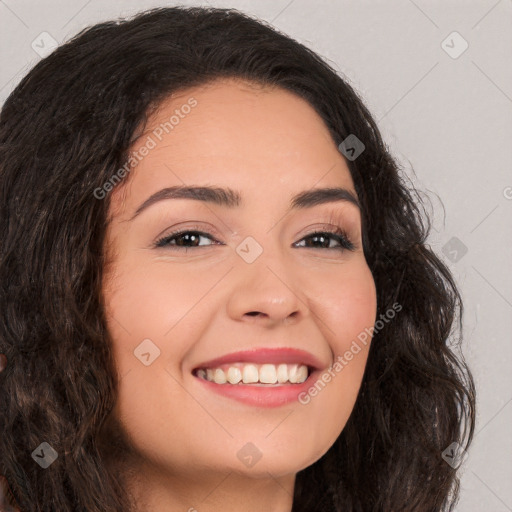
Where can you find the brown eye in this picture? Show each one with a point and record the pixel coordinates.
(323, 240)
(184, 239)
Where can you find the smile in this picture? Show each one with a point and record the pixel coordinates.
(266, 377)
(250, 373)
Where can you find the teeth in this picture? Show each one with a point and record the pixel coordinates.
(292, 373)
(268, 374)
(282, 373)
(248, 373)
(234, 375)
(219, 376)
(298, 374)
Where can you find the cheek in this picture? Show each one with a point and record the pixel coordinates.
(348, 306)
(347, 309)
(351, 315)
(151, 303)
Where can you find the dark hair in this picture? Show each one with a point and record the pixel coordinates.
(65, 130)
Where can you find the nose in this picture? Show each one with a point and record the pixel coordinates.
(267, 294)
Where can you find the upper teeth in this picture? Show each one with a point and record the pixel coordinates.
(252, 373)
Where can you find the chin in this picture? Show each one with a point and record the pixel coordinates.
(280, 464)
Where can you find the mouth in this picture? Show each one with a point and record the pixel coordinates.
(262, 378)
(268, 374)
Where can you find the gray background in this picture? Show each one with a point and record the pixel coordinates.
(448, 120)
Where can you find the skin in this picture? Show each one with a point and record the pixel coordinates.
(194, 305)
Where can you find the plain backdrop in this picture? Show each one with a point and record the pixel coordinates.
(443, 102)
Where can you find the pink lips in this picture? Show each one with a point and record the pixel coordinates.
(264, 396)
(266, 355)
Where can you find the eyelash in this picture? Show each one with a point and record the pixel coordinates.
(338, 234)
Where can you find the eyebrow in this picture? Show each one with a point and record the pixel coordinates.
(230, 198)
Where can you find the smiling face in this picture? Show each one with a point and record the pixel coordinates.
(251, 269)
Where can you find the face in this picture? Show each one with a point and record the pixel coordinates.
(250, 285)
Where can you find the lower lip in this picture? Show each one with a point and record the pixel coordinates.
(262, 396)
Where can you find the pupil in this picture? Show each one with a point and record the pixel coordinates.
(188, 236)
(324, 243)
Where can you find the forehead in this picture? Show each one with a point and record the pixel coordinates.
(259, 139)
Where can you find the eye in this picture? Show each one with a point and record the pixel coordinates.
(324, 239)
(185, 239)
(189, 239)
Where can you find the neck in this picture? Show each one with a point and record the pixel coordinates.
(209, 491)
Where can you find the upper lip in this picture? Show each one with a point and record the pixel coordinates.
(266, 355)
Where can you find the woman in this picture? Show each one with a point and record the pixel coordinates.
(216, 287)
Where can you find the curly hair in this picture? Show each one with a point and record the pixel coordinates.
(64, 131)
